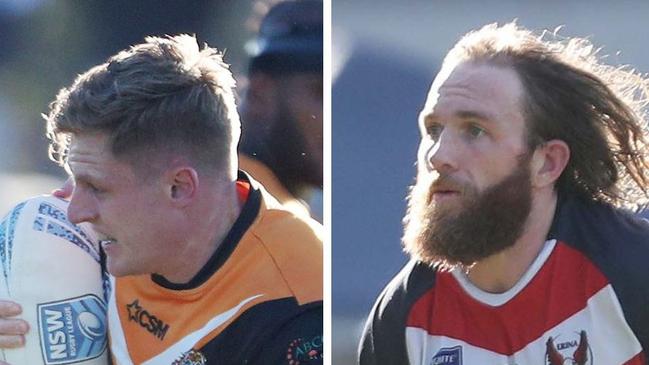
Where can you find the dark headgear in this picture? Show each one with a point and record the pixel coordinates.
(290, 39)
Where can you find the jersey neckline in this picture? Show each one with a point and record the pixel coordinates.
(249, 212)
(498, 299)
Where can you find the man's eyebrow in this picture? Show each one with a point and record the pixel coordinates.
(472, 114)
(461, 114)
(84, 177)
(80, 177)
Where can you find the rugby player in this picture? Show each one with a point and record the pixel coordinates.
(206, 266)
(523, 248)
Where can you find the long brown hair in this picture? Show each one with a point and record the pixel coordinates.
(571, 95)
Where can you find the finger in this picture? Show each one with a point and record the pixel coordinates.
(11, 342)
(13, 327)
(65, 191)
(9, 308)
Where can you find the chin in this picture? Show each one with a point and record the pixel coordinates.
(118, 270)
(450, 208)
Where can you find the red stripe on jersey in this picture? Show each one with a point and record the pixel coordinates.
(560, 289)
(638, 359)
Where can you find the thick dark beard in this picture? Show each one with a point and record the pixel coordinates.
(282, 147)
(292, 161)
(485, 223)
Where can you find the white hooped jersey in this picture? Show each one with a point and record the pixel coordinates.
(583, 301)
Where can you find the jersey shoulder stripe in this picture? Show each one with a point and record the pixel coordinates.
(383, 340)
(617, 243)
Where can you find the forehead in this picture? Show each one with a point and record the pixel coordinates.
(90, 156)
(493, 91)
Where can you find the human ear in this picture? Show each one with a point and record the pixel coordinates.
(182, 185)
(548, 162)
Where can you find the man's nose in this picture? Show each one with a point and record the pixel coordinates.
(82, 208)
(443, 155)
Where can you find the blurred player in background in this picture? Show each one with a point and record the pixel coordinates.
(281, 111)
(208, 267)
(521, 249)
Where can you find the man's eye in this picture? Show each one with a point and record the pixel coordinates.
(434, 131)
(475, 131)
(94, 189)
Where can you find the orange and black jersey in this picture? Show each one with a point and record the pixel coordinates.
(258, 300)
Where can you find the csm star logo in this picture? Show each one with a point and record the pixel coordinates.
(146, 320)
(133, 310)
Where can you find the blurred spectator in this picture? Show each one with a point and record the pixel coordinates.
(281, 109)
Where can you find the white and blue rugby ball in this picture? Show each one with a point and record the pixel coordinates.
(52, 268)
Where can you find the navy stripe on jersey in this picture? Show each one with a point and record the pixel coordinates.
(618, 244)
(281, 326)
(383, 341)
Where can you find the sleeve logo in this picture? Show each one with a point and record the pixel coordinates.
(448, 356)
(302, 352)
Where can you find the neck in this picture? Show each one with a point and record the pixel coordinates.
(208, 228)
(500, 272)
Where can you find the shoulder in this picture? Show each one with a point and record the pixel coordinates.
(616, 242)
(293, 243)
(405, 288)
(270, 332)
(298, 341)
(278, 222)
(383, 340)
(599, 222)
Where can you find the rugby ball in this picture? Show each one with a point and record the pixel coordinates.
(53, 269)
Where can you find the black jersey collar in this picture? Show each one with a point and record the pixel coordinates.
(249, 212)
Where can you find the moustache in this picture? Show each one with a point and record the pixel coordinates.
(446, 183)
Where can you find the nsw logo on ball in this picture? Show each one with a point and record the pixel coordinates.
(72, 330)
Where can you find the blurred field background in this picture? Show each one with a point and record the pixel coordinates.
(44, 44)
(385, 55)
